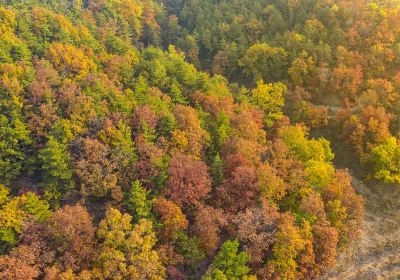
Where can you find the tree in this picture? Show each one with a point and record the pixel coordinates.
(272, 186)
(257, 228)
(189, 248)
(172, 219)
(385, 161)
(325, 242)
(301, 69)
(13, 267)
(14, 139)
(208, 225)
(117, 135)
(314, 206)
(15, 212)
(217, 168)
(137, 201)
(337, 214)
(288, 245)
(188, 181)
(346, 80)
(95, 169)
(56, 165)
(239, 191)
(300, 109)
(4, 194)
(342, 201)
(71, 235)
(7, 20)
(225, 61)
(69, 60)
(319, 174)
(152, 164)
(269, 98)
(368, 129)
(189, 137)
(228, 263)
(145, 121)
(264, 62)
(127, 251)
(295, 137)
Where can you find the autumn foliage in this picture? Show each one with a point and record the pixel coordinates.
(144, 139)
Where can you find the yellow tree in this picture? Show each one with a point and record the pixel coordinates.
(128, 250)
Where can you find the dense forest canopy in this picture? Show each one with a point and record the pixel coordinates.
(149, 139)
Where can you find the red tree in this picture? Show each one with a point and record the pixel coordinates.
(188, 181)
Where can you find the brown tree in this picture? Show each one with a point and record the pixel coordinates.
(239, 191)
(71, 235)
(95, 169)
(208, 224)
(189, 181)
(325, 242)
(256, 230)
(171, 217)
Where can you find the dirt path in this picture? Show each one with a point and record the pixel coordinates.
(376, 255)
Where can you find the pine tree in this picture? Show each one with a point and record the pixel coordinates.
(229, 264)
(57, 172)
(137, 201)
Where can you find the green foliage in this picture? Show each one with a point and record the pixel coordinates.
(263, 62)
(269, 98)
(189, 248)
(385, 161)
(228, 263)
(137, 201)
(14, 139)
(15, 211)
(295, 137)
(217, 168)
(56, 166)
(319, 173)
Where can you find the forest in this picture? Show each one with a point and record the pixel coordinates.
(192, 139)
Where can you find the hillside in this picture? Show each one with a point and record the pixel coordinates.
(199, 139)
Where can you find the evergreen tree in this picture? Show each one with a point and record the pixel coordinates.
(138, 204)
(57, 172)
(229, 264)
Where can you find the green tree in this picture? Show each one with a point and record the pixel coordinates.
(138, 204)
(14, 139)
(263, 62)
(385, 161)
(217, 170)
(269, 98)
(228, 264)
(56, 166)
(296, 139)
(15, 212)
(189, 248)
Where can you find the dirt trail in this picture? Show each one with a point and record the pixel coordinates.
(376, 255)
